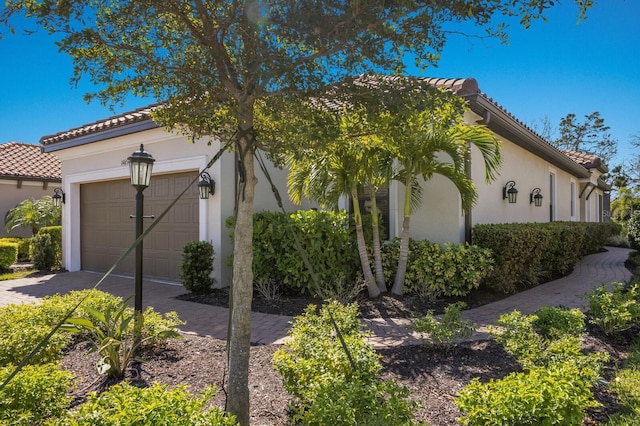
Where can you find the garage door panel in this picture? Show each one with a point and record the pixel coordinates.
(107, 229)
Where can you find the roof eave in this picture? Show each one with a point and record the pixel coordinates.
(505, 125)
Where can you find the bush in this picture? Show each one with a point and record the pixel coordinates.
(23, 246)
(526, 254)
(8, 255)
(553, 395)
(34, 394)
(633, 229)
(56, 240)
(124, 404)
(616, 310)
(316, 370)
(626, 386)
(197, 266)
(43, 252)
(450, 327)
(434, 271)
(555, 323)
(323, 235)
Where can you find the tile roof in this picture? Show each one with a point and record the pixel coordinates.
(588, 161)
(26, 161)
(135, 116)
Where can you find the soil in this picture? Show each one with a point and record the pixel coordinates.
(433, 376)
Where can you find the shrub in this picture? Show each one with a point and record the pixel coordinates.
(434, 271)
(124, 404)
(555, 322)
(43, 252)
(563, 248)
(615, 310)
(316, 370)
(552, 395)
(633, 229)
(450, 327)
(8, 255)
(323, 235)
(36, 393)
(23, 246)
(626, 386)
(56, 239)
(617, 241)
(197, 266)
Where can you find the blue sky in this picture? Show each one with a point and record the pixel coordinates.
(551, 69)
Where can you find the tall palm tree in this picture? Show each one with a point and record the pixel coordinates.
(33, 214)
(431, 142)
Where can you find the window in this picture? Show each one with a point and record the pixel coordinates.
(552, 197)
(573, 200)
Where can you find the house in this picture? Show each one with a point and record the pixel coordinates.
(97, 223)
(25, 172)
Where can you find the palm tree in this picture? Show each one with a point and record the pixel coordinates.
(326, 176)
(433, 141)
(32, 214)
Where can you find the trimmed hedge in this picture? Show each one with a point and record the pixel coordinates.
(324, 236)
(8, 255)
(23, 246)
(530, 253)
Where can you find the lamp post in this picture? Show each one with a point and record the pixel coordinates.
(140, 167)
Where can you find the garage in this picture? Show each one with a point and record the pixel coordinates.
(107, 228)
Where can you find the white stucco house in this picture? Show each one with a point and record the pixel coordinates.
(97, 226)
(25, 172)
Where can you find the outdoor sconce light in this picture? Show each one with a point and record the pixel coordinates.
(206, 186)
(510, 192)
(535, 197)
(58, 195)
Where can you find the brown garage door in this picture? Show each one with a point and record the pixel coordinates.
(106, 229)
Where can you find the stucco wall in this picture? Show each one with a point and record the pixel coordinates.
(11, 196)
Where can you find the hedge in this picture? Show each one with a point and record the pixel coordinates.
(526, 254)
(8, 255)
(23, 246)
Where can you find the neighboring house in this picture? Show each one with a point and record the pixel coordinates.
(25, 172)
(97, 226)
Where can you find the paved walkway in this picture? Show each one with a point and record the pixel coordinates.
(207, 320)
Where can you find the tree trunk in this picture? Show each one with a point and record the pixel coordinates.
(403, 257)
(369, 280)
(377, 253)
(242, 285)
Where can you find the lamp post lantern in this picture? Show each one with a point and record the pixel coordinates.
(140, 167)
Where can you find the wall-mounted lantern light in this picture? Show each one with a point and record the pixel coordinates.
(535, 197)
(58, 196)
(510, 192)
(206, 186)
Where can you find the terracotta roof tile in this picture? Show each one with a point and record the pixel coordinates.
(586, 160)
(140, 114)
(21, 160)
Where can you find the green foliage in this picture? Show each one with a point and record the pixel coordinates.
(615, 310)
(626, 386)
(555, 322)
(552, 395)
(23, 246)
(157, 405)
(109, 332)
(197, 266)
(33, 214)
(43, 252)
(36, 393)
(56, 239)
(527, 253)
(316, 370)
(323, 235)
(8, 255)
(633, 229)
(446, 330)
(434, 271)
(555, 387)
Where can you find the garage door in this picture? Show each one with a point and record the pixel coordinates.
(106, 229)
